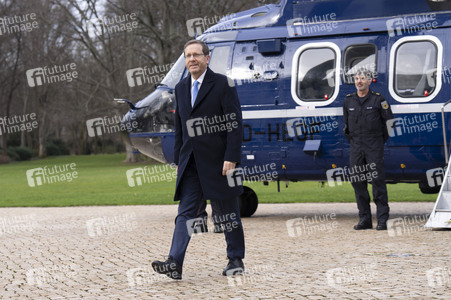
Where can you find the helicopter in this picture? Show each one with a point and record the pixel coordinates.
(293, 63)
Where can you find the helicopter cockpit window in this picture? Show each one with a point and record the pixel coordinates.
(357, 57)
(175, 73)
(316, 74)
(219, 59)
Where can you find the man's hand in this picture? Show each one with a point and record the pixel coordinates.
(228, 165)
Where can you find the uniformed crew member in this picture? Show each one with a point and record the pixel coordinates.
(365, 115)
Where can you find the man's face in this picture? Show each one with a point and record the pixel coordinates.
(196, 62)
(362, 83)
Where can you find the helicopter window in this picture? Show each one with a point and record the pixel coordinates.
(357, 57)
(219, 59)
(316, 74)
(415, 69)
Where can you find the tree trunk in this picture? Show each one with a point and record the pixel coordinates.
(130, 156)
(23, 134)
(42, 134)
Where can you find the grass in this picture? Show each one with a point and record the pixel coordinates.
(102, 181)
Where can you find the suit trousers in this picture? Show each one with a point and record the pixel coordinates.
(191, 199)
(202, 213)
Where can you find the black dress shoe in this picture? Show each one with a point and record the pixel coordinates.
(169, 267)
(381, 226)
(363, 225)
(234, 267)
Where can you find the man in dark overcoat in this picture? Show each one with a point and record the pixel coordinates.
(208, 136)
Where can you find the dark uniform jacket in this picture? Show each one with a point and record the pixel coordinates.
(216, 99)
(366, 120)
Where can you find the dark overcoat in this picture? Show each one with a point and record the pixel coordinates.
(211, 130)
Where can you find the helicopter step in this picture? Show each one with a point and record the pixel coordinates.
(441, 214)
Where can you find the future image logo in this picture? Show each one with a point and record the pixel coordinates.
(111, 224)
(135, 77)
(256, 173)
(18, 24)
(135, 177)
(51, 74)
(235, 177)
(16, 224)
(406, 225)
(439, 277)
(197, 26)
(335, 176)
(340, 277)
(111, 24)
(51, 275)
(35, 77)
(209, 125)
(153, 174)
(357, 173)
(195, 127)
(310, 25)
(309, 125)
(57, 173)
(95, 127)
(35, 177)
(149, 75)
(251, 276)
(14, 124)
(108, 125)
(143, 276)
(395, 26)
(226, 222)
(414, 124)
(311, 225)
(411, 24)
(435, 176)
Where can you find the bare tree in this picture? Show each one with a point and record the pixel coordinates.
(79, 33)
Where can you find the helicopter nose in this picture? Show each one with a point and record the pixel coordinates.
(150, 126)
(158, 146)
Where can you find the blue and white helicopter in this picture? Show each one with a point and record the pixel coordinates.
(293, 64)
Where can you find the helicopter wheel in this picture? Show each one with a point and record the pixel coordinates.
(248, 202)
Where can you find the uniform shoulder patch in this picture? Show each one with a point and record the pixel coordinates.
(384, 104)
(348, 95)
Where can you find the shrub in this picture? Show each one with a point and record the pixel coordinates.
(23, 153)
(4, 159)
(13, 154)
(56, 147)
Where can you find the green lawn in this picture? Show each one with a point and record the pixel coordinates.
(102, 180)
